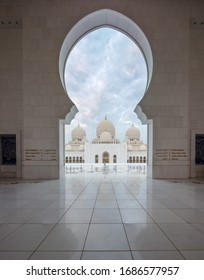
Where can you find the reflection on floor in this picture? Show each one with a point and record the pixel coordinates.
(102, 215)
(136, 168)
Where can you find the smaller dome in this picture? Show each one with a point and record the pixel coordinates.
(133, 133)
(106, 137)
(78, 133)
(143, 147)
(68, 147)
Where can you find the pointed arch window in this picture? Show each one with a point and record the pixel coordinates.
(105, 157)
(114, 159)
(96, 158)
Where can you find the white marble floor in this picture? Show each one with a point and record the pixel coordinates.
(96, 215)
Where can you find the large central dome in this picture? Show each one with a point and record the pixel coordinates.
(105, 126)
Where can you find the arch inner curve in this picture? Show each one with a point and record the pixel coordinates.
(100, 19)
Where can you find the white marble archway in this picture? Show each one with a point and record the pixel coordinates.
(98, 19)
(91, 22)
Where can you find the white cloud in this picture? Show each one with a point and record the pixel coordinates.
(106, 75)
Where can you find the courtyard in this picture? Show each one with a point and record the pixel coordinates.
(102, 214)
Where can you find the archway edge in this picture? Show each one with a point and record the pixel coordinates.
(101, 18)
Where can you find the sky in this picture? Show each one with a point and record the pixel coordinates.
(105, 75)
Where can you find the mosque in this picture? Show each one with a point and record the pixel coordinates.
(105, 148)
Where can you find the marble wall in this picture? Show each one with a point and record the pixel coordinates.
(33, 100)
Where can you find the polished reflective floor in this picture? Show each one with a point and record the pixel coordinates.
(102, 215)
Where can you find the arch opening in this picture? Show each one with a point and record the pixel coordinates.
(93, 21)
(105, 157)
(97, 20)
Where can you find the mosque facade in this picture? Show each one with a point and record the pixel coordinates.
(105, 148)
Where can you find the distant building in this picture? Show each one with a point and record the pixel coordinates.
(105, 148)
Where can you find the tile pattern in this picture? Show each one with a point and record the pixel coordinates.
(102, 216)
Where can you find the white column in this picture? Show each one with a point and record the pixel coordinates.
(61, 143)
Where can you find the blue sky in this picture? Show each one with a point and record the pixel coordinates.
(105, 75)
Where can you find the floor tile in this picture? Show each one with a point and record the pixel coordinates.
(195, 203)
(106, 255)
(125, 196)
(135, 216)
(199, 226)
(36, 204)
(106, 216)
(49, 197)
(65, 237)
(193, 255)
(190, 215)
(164, 216)
(71, 255)
(4, 212)
(60, 204)
(69, 196)
(143, 196)
(25, 238)
(151, 203)
(12, 204)
(173, 203)
(83, 204)
(14, 255)
(6, 229)
(102, 204)
(184, 236)
(106, 237)
(47, 216)
(77, 216)
(157, 255)
(106, 196)
(18, 216)
(87, 196)
(147, 237)
(158, 195)
(128, 203)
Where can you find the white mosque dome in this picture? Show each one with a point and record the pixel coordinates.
(68, 147)
(133, 133)
(106, 137)
(105, 126)
(78, 133)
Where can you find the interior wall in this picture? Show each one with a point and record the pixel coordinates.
(33, 99)
(196, 99)
(11, 97)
